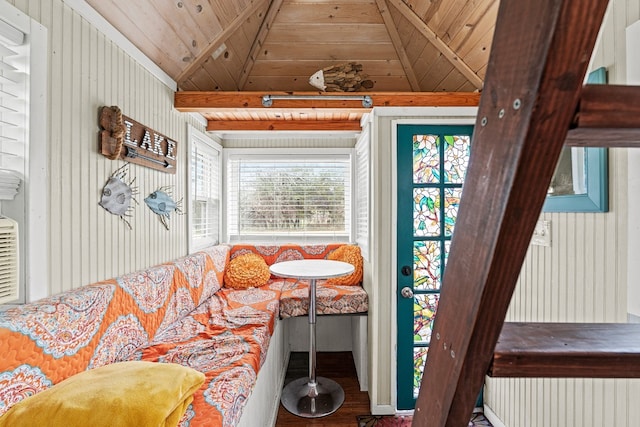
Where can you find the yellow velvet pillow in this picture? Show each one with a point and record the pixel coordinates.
(352, 255)
(247, 271)
(117, 395)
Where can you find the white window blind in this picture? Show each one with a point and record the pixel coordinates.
(362, 159)
(14, 96)
(205, 192)
(289, 196)
(14, 134)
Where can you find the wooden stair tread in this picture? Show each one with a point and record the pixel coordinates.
(607, 116)
(553, 350)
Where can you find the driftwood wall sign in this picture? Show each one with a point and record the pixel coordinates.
(125, 139)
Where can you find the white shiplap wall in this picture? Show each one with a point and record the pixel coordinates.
(582, 277)
(87, 71)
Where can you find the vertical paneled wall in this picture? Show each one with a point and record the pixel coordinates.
(582, 277)
(87, 71)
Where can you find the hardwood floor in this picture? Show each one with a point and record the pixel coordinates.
(339, 367)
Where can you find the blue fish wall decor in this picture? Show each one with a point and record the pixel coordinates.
(162, 205)
(117, 194)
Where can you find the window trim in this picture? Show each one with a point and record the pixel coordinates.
(194, 134)
(31, 209)
(362, 201)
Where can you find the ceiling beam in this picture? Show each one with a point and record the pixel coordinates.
(289, 125)
(274, 8)
(219, 39)
(203, 101)
(397, 44)
(433, 38)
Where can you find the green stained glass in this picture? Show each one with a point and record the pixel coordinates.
(451, 205)
(426, 159)
(456, 157)
(427, 259)
(419, 359)
(447, 249)
(426, 212)
(439, 162)
(424, 312)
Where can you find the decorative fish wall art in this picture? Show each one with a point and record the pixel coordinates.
(117, 194)
(341, 78)
(162, 204)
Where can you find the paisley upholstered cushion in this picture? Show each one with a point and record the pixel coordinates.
(246, 271)
(352, 255)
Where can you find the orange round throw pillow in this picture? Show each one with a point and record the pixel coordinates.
(352, 255)
(246, 271)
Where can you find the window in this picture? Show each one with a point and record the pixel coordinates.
(580, 183)
(289, 195)
(204, 196)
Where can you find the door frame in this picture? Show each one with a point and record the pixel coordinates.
(446, 116)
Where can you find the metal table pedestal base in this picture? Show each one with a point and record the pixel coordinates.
(302, 398)
(314, 396)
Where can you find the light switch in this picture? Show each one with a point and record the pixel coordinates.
(542, 234)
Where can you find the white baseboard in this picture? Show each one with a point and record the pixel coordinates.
(632, 318)
(382, 409)
(492, 417)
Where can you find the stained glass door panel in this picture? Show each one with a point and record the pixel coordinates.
(432, 162)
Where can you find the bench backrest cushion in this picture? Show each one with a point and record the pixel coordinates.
(285, 252)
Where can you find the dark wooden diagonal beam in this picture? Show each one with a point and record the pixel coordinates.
(539, 57)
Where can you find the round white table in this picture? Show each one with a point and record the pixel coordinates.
(312, 397)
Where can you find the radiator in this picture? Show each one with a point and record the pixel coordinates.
(9, 288)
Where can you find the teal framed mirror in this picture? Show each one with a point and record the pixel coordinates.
(580, 182)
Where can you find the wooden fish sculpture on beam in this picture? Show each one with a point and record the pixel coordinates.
(346, 77)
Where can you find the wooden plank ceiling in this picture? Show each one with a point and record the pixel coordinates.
(276, 45)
